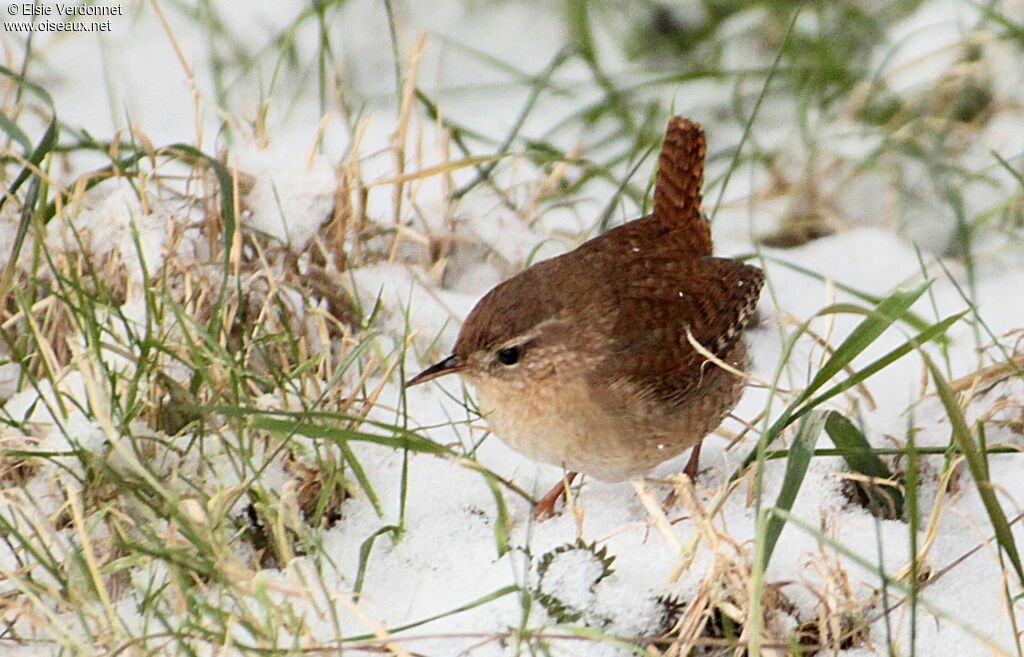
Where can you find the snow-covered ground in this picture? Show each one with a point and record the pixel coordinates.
(451, 559)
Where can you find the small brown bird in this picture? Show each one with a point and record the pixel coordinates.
(586, 361)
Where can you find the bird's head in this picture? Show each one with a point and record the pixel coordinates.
(515, 335)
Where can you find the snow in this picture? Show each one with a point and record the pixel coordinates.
(573, 585)
(446, 557)
(292, 193)
(570, 577)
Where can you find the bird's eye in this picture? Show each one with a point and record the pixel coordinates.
(508, 356)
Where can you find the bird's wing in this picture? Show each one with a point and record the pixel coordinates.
(657, 300)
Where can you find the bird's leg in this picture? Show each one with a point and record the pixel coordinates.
(690, 471)
(546, 505)
(692, 465)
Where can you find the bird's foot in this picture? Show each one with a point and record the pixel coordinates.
(545, 507)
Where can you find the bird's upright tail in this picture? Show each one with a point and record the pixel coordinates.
(677, 196)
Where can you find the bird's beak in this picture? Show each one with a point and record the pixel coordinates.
(449, 365)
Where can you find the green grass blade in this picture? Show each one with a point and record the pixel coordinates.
(772, 70)
(800, 454)
(364, 557)
(401, 439)
(914, 526)
(886, 312)
(502, 533)
(933, 332)
(25, 84)
(46, 144)
(14, 132)
(912, 319)
(976, 464)
(19, 238)
(859, 455)
(490, 597)
(360, 474)
(226, 186)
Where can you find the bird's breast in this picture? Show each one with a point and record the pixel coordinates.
(621, 435)
(559, 423)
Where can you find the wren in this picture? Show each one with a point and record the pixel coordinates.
(586, 360)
